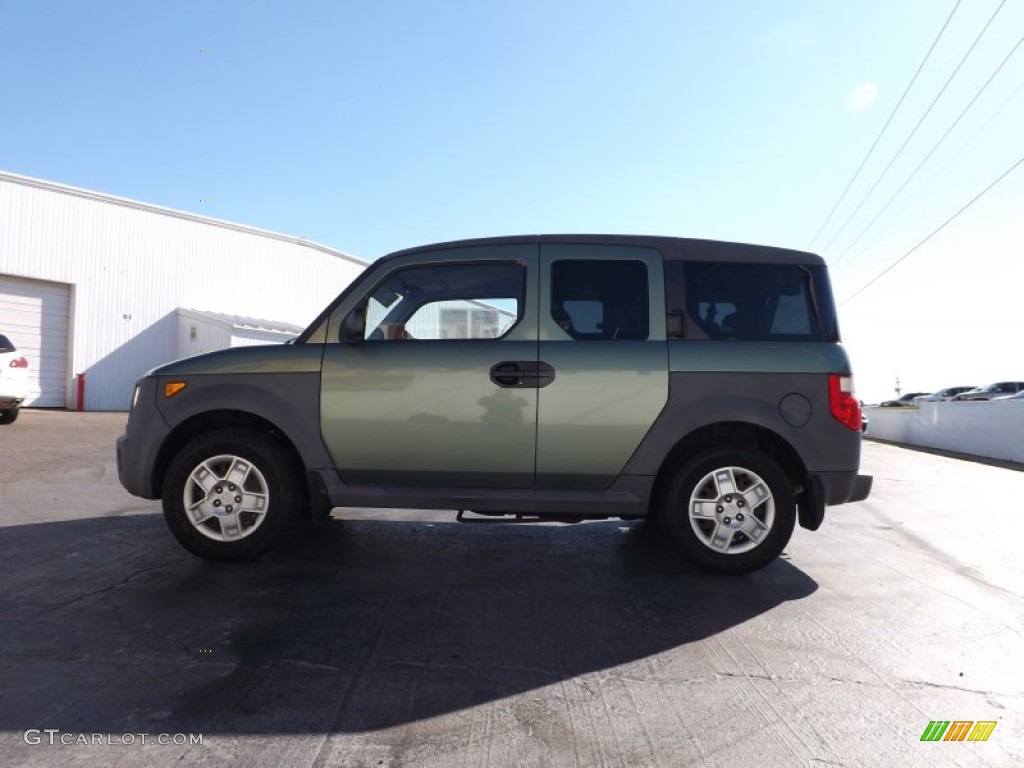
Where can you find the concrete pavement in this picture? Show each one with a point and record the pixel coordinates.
(401, 638)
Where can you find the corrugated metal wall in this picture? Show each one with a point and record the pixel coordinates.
(208, 336)
(131, 266)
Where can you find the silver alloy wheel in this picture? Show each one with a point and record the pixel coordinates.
(226, 498)
(732, 510)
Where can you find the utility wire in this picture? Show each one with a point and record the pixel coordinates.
(930, 153)
(884, 127)
(914, 132)
(942, 226)
(992, 117)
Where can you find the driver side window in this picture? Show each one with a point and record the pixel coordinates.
(480, 300)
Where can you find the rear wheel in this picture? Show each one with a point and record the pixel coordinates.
(9, 416)
(232, 495)
(730, 510)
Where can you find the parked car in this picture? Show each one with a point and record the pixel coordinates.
(943, 394)
(991, 391)
(1018, 396)
(559, 377)
(863, 419)
(905, 400)
(13, 380)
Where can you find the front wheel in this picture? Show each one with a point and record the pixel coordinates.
(8, 416)
(730, 510)
(232, 495)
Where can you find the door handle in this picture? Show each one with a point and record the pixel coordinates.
(545, 374)
(507, 374)
(522, 374)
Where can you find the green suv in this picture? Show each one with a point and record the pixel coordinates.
(555, 377)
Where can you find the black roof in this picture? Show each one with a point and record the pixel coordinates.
(671, 248)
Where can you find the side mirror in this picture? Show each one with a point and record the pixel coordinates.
(353, 327)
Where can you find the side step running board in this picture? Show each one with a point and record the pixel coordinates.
(513, 517)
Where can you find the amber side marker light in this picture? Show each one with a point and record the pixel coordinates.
(172, 388)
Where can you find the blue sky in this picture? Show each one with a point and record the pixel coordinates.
(372, 126)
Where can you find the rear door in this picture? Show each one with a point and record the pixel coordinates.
(602, 332)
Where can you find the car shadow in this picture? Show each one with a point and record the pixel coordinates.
(107, 626)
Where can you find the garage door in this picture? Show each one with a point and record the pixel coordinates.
(34, 315)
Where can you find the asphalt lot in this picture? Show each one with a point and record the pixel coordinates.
(407, 639)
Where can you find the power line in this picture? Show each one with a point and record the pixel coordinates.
(914, 131)
(884, 127)
(930, 153)
(992, 117)
(942, 226)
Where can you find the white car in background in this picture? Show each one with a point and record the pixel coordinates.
(943, 394)
(13, 380)
(991, 391)
(1018, 397)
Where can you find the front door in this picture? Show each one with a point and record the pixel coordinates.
(442, 389)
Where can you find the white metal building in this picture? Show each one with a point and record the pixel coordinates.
(200, 332)
(107, 287)
(455, 319)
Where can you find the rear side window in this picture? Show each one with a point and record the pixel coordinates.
(732, 301)
(5, 344)
(600, 300)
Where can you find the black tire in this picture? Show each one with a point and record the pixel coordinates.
(744, 552)
(10, 415)
(269, 470)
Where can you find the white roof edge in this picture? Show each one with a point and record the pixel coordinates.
(53, 186)
(230, 321)
(480, 303)
(198, 314)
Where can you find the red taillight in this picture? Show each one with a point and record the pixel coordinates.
(19, 362)
(842, 403)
